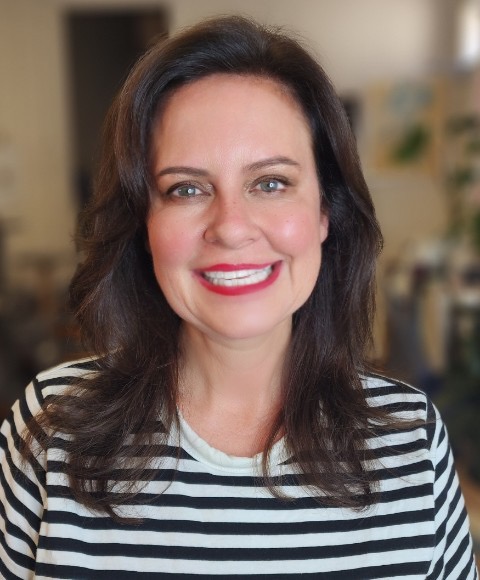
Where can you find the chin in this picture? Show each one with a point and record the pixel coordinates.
(251, 330)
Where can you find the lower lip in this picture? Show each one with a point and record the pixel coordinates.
(240, 290)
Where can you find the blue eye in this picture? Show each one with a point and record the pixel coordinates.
(270, 185)
(186, 191)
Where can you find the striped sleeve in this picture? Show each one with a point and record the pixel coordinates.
(22, 493)
(453, 554)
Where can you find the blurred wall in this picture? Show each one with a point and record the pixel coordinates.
(358, 42)
(36, 199)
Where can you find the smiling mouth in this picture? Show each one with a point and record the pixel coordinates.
(237, 278)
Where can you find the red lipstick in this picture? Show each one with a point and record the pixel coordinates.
(238, 279)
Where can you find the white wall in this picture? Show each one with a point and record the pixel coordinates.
(359, 41)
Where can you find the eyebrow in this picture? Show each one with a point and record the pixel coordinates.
(197, 172)
(271, 161)
(182, 170)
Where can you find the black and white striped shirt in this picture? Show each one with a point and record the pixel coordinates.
(206, 514)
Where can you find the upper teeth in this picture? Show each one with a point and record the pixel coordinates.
(238, 277)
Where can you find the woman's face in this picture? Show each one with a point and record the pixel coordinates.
(235, 227)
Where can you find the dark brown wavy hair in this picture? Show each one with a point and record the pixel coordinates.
(127, 323)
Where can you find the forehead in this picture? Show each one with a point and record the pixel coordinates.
(233, 109)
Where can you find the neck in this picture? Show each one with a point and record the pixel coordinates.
(230, 391)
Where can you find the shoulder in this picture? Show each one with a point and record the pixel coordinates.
(410, 409)
(396, 396)
(47, 384)
(58, 379)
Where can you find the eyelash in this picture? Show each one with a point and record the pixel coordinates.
(283, 181)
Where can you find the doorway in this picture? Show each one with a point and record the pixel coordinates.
(102, 46)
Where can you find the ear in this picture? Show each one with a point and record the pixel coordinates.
(324, 223)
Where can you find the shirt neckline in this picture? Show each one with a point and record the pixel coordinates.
(203, 452)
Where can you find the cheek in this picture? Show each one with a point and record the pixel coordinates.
(301, 234)
(170, 243)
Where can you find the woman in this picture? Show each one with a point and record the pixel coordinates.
(227, 424)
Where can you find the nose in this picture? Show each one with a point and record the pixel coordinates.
(231, 222)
